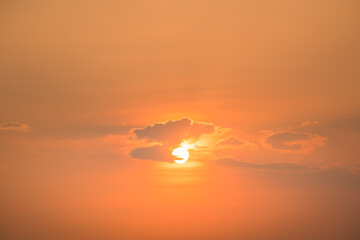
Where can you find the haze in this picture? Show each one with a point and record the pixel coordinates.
(96, 95)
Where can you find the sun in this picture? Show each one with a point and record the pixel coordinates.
(181, 152)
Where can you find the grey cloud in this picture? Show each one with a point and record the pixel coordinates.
(173, 132)
(156, 153)
(13, 126)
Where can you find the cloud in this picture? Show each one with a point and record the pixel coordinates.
(236, 143)
(307, 123)
(174, 132)
(230, 141)
(13, 126)
(293, 142)
(156, 153)
(270, 166)
(168, 135)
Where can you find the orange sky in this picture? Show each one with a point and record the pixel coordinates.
(95, 95)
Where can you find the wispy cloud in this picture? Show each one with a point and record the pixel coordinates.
(308, 123)
(232, 140)
(270, 166)
(14, 126)
(293, 142)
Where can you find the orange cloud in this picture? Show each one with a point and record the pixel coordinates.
(230, 141)
(293, 142)
(307, 123)
(234, 142)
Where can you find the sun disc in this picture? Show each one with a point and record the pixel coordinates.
(181, 152)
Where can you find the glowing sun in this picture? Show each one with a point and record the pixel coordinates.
(181, 152)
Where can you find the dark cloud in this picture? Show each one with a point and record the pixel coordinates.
(230, 141)
(169, 134)
(270, 166)
(156, 153)
(293, 142)
(174, 132)
(13, 126)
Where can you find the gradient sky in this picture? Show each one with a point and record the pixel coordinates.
(95, 95)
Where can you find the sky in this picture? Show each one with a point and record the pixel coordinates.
(95, 96)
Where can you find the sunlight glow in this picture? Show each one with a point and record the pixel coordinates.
(188, 145)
